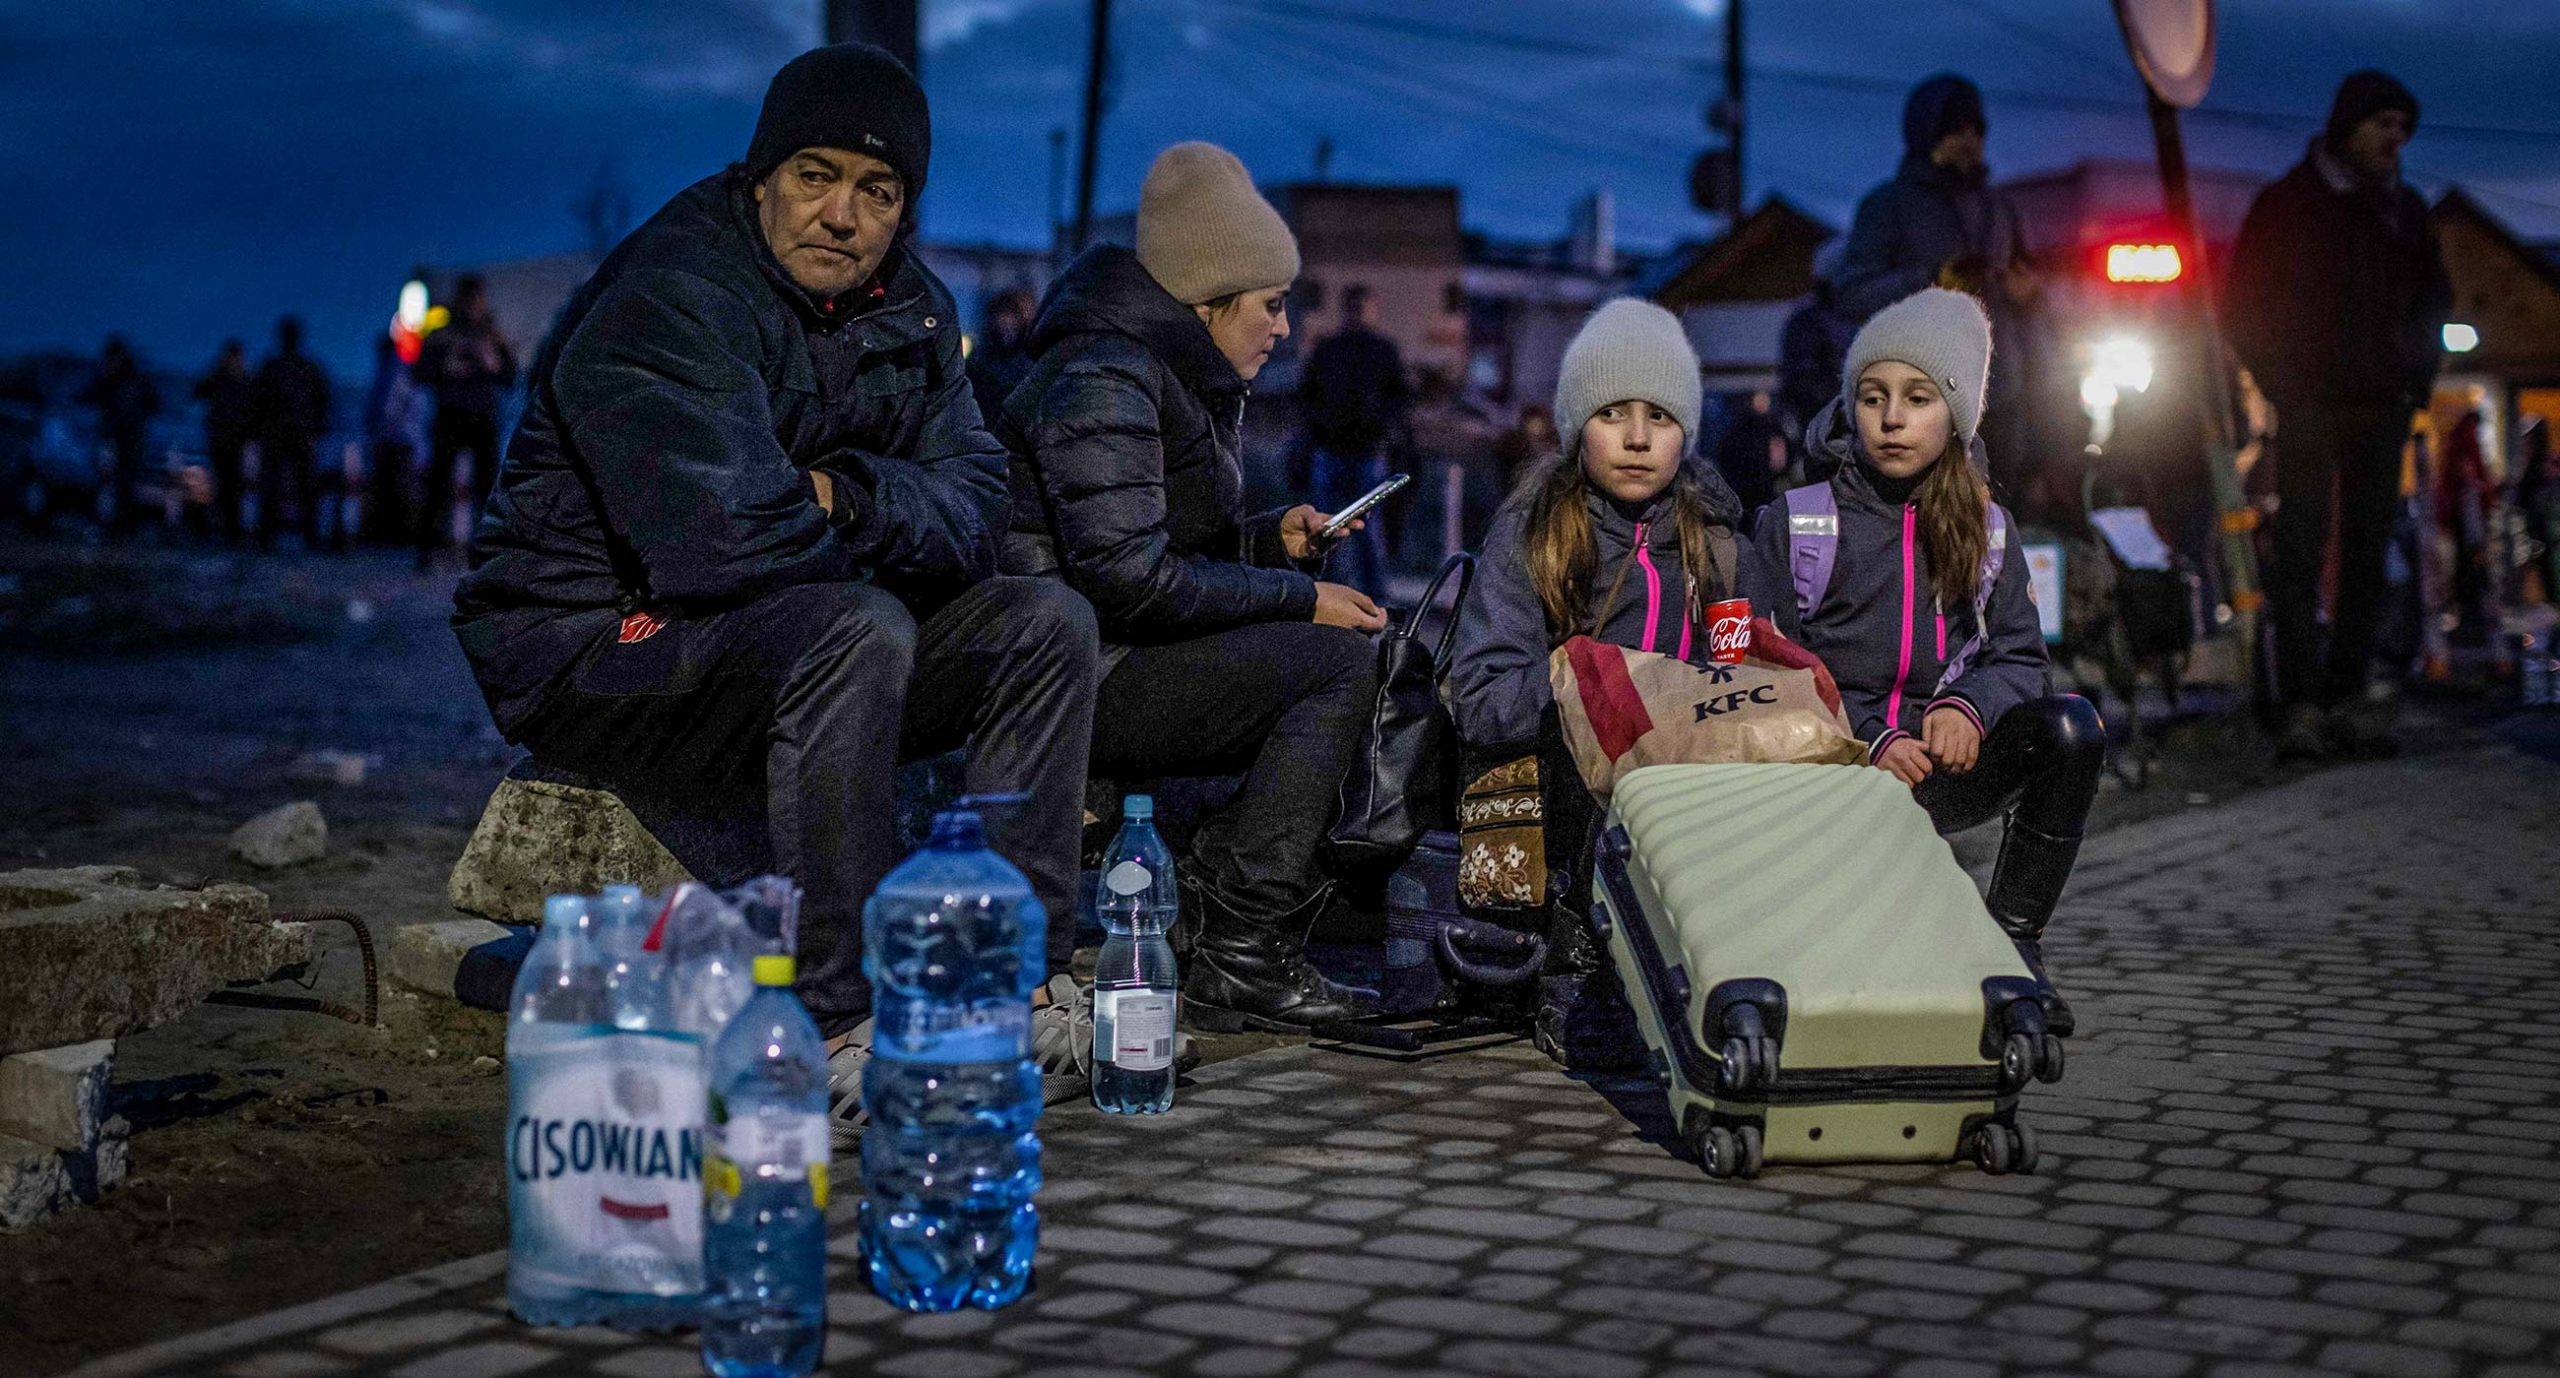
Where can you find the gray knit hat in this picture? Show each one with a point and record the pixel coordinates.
(1203, 231)
(1629, 350)
(1939, 332)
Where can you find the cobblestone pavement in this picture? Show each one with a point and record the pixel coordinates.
(2311, 1125)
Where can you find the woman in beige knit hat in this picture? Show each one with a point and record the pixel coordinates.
(1223, 650)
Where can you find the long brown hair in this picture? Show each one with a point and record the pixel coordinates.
(1955, 525)
(1563, 555)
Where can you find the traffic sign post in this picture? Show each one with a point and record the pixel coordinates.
(2172, 46)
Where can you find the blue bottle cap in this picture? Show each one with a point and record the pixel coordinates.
(1138, 808)
(564, 909)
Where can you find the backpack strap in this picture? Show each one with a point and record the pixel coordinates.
(1993, 559)
(1813, 544)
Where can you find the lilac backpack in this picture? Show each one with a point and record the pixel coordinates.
(1813, 546)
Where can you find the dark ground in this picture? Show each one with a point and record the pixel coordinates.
(156, 698)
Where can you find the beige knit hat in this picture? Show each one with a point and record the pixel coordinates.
(1203, 231)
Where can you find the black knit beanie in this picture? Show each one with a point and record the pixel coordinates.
(851, 96)
(2363, 95)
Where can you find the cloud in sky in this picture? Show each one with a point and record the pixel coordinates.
(185, 172)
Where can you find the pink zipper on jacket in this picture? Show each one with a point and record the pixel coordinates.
(1902, 672)
(1652, 593)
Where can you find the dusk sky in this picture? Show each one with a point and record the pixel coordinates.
(183, 172)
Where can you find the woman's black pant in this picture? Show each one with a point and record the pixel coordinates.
(2038, 767)
(1283, 704)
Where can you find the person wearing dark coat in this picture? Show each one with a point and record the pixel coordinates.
(289, 412)
(1223, 650)
(2336, 302)
(741, 555)
(126, 400)
(1940, 662)
(1939, 222)
(1354, 395)
(225, 392)
(467, 367)
(1751, 454)
(1000, 357)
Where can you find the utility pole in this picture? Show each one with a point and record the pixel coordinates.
(1057, 194)
(1733, 96)
(1096, 73)
(889, 23)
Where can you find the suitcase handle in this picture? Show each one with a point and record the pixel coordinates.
(1528, 953)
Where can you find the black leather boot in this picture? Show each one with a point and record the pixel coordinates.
(1583, 1021)
(2026, 884)
(1251, 973)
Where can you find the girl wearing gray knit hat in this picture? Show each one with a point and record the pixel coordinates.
(1906, 578)
(1624, 536)
(1224, 650)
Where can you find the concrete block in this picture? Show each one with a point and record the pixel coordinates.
(57, 1096)
(287, 835)
(424, 956)
(92, 952)
(39, 1180)
(539, 838)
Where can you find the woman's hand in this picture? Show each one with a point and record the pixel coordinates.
(1340, 605)
(1907, 759)
(1301, 533)
(1953, 741)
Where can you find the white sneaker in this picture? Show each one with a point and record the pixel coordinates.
(845, 1115)
(1062, 1040)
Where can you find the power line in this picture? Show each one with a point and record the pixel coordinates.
(1513, 41)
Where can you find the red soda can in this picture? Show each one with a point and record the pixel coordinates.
(1729, 631)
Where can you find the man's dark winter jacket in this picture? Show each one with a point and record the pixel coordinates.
(469, 368)
(289, 401)
(673, 417)
(1926, 215)
(1128, 472)
(2337, 292)
(1879, 627)
(1497, 687)
(1353, 391)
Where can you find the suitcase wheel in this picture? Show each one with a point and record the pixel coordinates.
(1728, 1150)
(2021, 1055)
(2049, 1066)
(2000, 1147)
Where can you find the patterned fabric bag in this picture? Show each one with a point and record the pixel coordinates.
(1502, 840)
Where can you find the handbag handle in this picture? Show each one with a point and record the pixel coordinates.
(1463, 565)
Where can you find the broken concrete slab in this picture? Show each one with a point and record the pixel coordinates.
(38, 1180)
(57, 1096)
(93, 952)
(541, 837)
(425, 956)
(287, 835)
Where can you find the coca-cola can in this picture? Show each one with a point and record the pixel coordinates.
(1729, 631)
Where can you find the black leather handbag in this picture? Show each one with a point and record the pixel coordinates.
(1399, 786)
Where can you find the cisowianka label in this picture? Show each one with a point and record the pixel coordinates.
(1133, 1029)
(604, 1158)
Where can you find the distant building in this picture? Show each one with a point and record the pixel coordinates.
(2506, 310)
(1735, 292)
(1525, 300)
(1403, 244)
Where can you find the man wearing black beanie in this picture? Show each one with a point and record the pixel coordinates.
(740, 562)
(2336, 301)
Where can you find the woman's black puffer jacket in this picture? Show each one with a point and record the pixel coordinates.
(1127, 466)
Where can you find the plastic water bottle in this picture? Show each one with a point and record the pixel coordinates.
(764, 1311)
(1135, 986)
(604, 1136)
(635, 978)
(954, 945)
(560, 1005)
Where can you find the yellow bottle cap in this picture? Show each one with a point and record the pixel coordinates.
(772, 970)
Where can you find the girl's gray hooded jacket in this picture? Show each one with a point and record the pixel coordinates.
(1879, 627)
(1497, 686)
